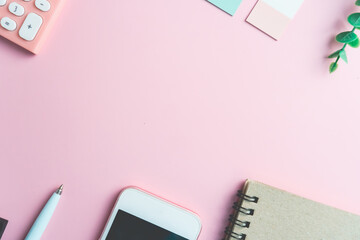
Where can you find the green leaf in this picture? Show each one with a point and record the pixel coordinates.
(357, 3)
(346, 37)
(333, 67)
(355, 43)
(354, 19)
(334, 54)
(343, 56)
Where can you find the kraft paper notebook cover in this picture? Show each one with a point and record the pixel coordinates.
(266, 213)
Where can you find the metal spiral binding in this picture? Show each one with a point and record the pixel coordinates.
(234, 221)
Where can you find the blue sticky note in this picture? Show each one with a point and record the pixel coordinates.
(229, 6)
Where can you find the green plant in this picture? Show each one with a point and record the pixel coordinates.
(347, 38)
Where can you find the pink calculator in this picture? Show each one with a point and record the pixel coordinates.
(27, 22)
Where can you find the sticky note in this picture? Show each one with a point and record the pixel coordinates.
(273, 16)
(229, 6)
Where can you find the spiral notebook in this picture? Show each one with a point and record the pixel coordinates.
(266, 213)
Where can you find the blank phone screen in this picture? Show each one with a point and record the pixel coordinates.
(129, 227)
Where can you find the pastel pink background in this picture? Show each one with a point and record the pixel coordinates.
(181, 99)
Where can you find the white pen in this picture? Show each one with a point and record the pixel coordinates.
(44, 217)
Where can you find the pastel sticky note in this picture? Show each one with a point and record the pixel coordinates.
(273, 16)
(229, 6)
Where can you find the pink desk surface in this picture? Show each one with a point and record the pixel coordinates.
(178, 98)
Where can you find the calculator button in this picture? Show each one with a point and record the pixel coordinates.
(2, 3)
(30, 27)
(8, 24)
(16, 9)
(43, 5)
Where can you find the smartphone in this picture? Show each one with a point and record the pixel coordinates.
(139, 215)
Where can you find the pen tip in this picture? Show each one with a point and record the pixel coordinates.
(60, 189)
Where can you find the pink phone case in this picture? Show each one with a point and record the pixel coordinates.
(29, 15)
